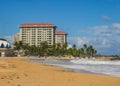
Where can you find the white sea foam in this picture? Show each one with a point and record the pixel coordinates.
(99, 66)
(95, 66)
(84, 61)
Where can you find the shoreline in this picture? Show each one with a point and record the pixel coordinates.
(70, 69)
(19, 72)
(64, 62)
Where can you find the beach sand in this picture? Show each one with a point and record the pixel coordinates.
(18, 72)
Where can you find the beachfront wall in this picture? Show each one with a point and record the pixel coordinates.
(6, 52)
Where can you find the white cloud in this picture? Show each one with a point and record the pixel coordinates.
(104, 38)
(9, 38)
(116, 25)
(98, 30)
(106, 18)
(77, 40)
(97, 42)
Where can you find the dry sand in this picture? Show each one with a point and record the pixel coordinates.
(18, 72)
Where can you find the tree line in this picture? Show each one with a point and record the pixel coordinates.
(54, 50)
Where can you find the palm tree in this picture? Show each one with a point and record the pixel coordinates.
(65, 46)
(85, 49)
(69, 52)
(74, 50)
(52, 50)
(18, 46)
(91, 51)
(33, 50)
(74, 46)
(58, 49)
(95, 52)
(44, 48)
(82, 52)
(26, 49)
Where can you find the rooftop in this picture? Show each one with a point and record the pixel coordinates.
(37, 25)
(60, 32)
(3, 39)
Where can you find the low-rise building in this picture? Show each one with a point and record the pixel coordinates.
(60, 37)
(5, 48)
(17, 37)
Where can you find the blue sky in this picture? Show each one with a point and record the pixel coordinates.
(95, 22)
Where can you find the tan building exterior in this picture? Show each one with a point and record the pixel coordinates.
(17, 37)
(60, 37)
(34, 34)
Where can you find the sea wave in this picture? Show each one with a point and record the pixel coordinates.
(95, 66)
(88, 61)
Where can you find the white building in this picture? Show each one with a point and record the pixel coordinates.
(35, 33)
(5, 49)
(60, 37)
(17, 37)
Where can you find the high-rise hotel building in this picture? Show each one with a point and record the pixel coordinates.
(35, 33)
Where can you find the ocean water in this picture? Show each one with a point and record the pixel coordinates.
(106, 67)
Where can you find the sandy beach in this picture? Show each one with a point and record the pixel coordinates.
(18, 72)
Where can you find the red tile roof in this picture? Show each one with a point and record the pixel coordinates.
(60, 32)
(36, 25)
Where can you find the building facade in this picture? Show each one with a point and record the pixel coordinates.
(17, 37)
(60, 37)
(34, 34)
(5, 48)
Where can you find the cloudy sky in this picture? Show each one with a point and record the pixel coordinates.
(94, 22)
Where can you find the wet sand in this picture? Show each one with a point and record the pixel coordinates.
(18, 72)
